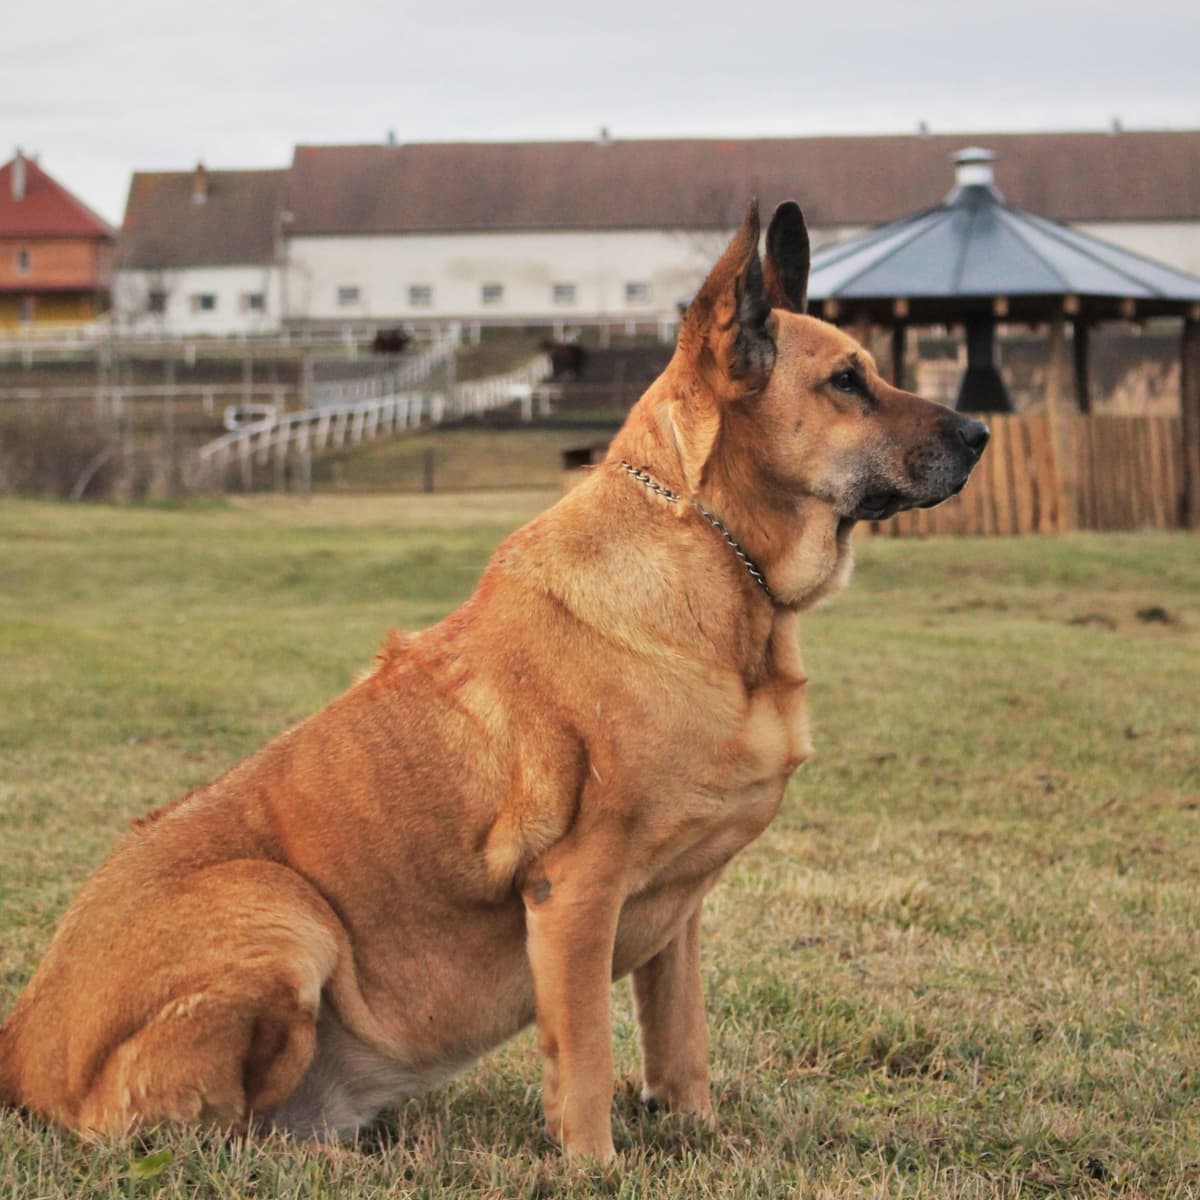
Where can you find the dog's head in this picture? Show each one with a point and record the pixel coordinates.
(790, 406)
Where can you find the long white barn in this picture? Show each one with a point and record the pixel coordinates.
(534, 277)
(579, 232)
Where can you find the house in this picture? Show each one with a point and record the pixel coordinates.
(619, 230)
(199, 253)
(55, 253)
(498, 232)
(603, 231)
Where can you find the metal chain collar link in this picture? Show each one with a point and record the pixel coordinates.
(674, 498)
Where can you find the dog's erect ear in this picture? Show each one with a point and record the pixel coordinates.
(726, 350)
(725, 326)
(788, 256)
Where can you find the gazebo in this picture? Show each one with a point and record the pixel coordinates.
(975, 260)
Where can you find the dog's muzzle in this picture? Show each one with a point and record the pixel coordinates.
(937, 469)
(963, 441)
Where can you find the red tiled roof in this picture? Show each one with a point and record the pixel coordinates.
(705, 183)
(46, 209)
(237, 223)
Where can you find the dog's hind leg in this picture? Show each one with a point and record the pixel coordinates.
(205, 1059)
(236, 1029)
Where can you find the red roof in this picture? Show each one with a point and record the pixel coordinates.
(237, 223)
(46, 209)
(705, 182)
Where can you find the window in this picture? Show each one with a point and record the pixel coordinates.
(420, 295)
(202, 302)
(564, 293)
(491, 293)
(637, 292)
(22, 261)
(253, 302)
(347, 295)
(156, 301)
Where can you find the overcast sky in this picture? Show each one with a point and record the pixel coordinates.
(102, 90)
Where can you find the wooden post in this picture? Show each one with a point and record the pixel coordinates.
(283, 434)
(172, 472)
(618, 388)
(98, 405)
(899, 332)
(1190, 404)
(304, 475)
(126, 412)
(860, 329)
(1083, 395)
(245, 464)
(307, 379)
(1054, 356)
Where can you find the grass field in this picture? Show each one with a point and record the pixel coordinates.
(467, 457)
(963, 962)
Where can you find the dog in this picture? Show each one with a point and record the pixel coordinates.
(524, 802)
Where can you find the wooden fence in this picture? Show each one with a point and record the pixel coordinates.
(1075, 472)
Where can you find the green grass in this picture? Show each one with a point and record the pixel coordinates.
(963, 962)
(466, 457)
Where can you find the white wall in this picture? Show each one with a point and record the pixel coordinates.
(527, 265)
(227, 285)
(1174, 243)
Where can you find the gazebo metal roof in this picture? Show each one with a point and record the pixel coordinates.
(975, 248)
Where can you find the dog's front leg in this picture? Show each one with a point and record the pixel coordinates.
(573, 900)
(674, 1031)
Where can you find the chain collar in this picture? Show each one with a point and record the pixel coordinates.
(675, 498)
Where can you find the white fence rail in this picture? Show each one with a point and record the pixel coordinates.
(414, 369)
(330, 425)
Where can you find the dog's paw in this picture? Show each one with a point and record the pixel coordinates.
(690, 1101)
(582, 1148)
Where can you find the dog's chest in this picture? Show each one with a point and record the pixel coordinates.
(772, 737)
(771, 741)
(723, 800)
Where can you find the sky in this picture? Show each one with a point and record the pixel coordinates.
(98, 91)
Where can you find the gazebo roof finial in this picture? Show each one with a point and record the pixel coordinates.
(973, 168)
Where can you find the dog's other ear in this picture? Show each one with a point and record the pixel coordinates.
(788, 256)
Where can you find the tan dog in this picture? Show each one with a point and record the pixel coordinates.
(522, 803)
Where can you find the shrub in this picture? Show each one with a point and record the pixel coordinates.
(53, 451)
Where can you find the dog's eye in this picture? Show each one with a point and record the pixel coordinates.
(847, 381)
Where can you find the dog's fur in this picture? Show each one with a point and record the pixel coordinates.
(523, 802)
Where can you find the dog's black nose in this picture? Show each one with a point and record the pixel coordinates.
(975, 436)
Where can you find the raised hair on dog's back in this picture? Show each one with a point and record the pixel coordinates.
(521, 803)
